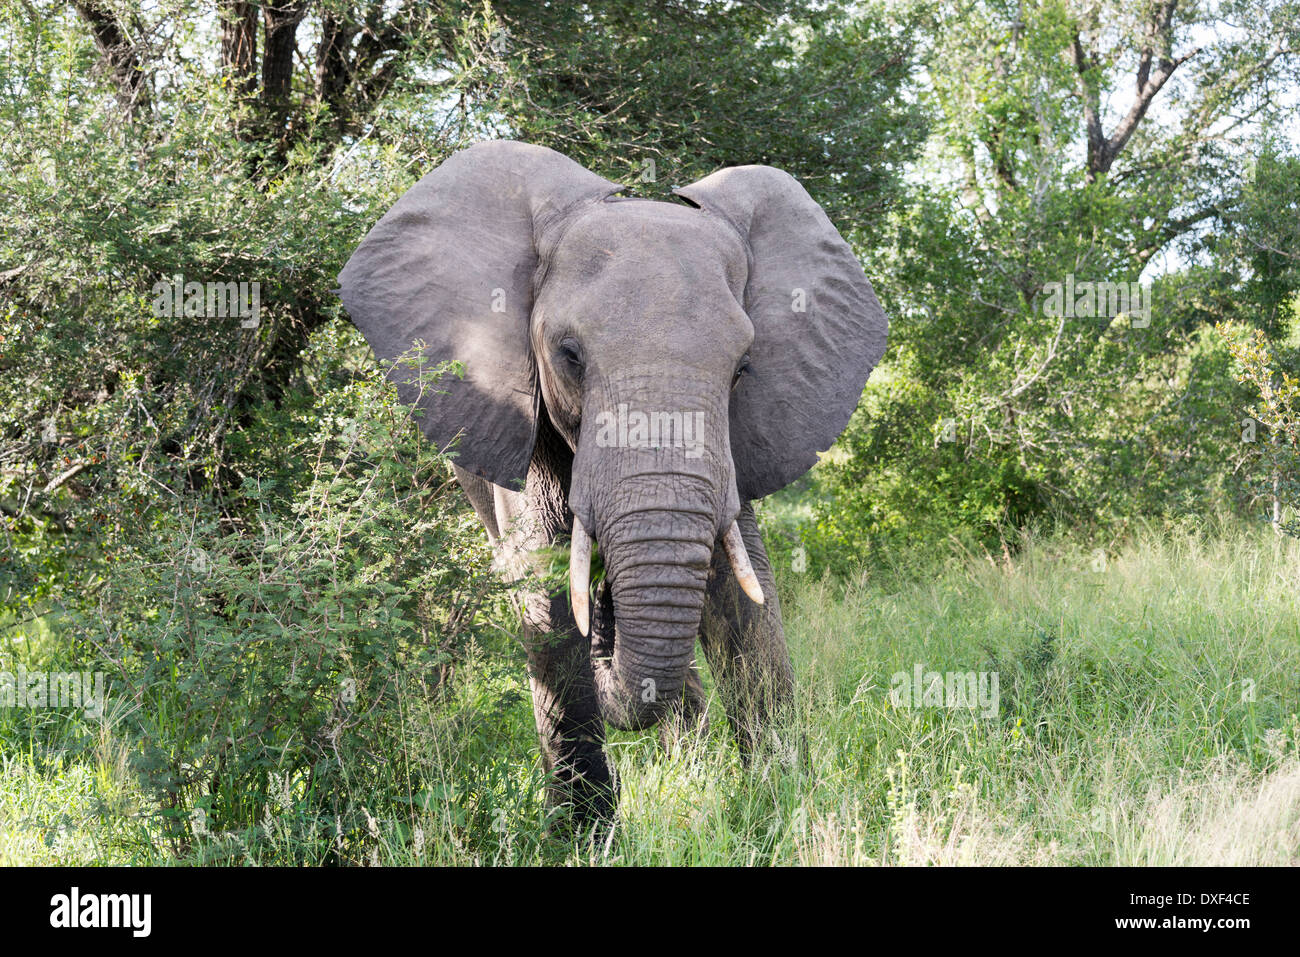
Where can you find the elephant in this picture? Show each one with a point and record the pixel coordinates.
(632, 375)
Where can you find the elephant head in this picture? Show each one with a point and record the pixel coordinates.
(691, 355)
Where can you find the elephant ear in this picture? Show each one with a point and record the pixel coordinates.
(818, 328)
(452, 265)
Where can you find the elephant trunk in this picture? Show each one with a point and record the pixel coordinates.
(657, 565)
(654, 482)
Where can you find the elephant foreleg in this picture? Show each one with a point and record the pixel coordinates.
(569, 725)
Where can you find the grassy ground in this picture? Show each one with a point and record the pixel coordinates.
(1147, 714)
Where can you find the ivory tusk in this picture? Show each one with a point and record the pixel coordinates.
(580, 576)
(735, 546)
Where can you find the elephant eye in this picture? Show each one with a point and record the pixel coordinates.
(570, 354)
(740, 371)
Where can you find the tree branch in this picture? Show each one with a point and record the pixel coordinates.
(119, 54)
(1156, 51)
(280, 24)
(239, 44)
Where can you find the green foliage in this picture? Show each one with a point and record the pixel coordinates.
(659, 95)
(1277, 413)
(995, 409)
(108, 407)
(269, 666)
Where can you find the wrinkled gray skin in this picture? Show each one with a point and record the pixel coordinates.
(742, 305)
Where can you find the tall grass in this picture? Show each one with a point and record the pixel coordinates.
(1147, 715)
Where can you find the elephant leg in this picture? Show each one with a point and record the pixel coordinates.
(569, 725)
(744, 644)
(570, 728)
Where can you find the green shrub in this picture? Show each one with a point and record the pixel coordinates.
(269, 654)
(1277, 413)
